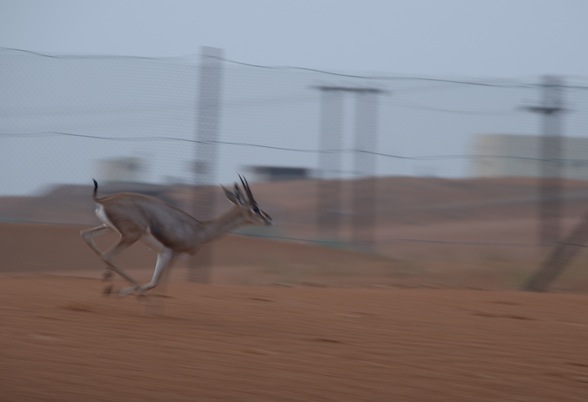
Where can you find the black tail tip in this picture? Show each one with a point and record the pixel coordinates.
(95, 187)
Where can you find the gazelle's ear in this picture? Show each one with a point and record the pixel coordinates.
(236, 197)
(231, 196)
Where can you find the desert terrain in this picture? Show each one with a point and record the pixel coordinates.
(433, 314)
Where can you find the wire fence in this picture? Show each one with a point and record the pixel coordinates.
(396, 163)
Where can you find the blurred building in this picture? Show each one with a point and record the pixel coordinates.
(278, 173)
(121, 170)
(510, 155)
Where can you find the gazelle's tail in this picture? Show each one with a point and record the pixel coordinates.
(95, 189)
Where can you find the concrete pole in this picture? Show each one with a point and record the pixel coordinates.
(330, 200)
(207, 134)
(364, 187)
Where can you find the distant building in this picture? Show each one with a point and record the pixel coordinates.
(278, 173)
(510, 155)
(121, 170)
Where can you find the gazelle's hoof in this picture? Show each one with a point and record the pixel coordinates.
(107, 291)
(127, 291)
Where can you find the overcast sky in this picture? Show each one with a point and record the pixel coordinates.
(518, 40)
(456, 37)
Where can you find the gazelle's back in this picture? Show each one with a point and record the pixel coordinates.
(134, 212)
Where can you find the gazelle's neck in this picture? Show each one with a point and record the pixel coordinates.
(225, 223)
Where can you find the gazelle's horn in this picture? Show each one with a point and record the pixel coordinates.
(247, 189)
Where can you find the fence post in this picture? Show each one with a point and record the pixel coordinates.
(563, 252)
(330, 187)
(364, 187)
(330, 194)
(207, 133)
(551, 139)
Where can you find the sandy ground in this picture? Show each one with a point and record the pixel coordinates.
(257, 334)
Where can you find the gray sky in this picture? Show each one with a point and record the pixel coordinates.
(517, 40)
(441, 37)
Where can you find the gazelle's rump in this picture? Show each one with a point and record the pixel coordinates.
(102, 216)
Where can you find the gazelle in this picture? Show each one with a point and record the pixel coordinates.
(136, 216)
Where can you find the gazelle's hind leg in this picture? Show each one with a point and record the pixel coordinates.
(109, 255)
(88, 235)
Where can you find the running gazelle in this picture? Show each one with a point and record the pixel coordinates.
(136, 216)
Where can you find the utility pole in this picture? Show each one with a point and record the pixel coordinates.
(551, 151)
(207, 129)
(364, 186)
(565, 250)
(331, 142)
(330, 191)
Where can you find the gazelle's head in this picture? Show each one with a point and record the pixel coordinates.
(246, 202)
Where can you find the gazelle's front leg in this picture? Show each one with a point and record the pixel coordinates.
(164, 260)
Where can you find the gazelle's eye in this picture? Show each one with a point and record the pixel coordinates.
(255, 209)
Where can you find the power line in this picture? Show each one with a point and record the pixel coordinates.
(404, 78)
(192, 58)
(92, 56)
(280, 148)
(450, 111)
(386, 77)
